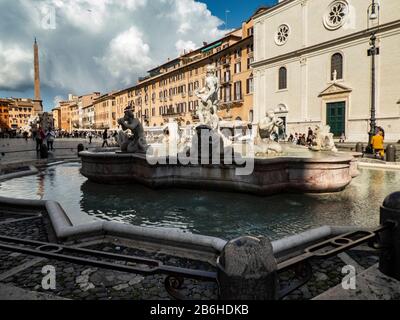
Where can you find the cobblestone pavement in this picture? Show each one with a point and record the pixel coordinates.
(327, 273)
(88, 283)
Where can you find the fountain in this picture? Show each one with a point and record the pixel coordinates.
(210, 160)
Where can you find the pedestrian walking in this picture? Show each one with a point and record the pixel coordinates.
(50, 137)
(105, 138)
(40, 136)
(377, 145)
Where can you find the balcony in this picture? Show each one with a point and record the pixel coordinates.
(225, 81)
(226, 62)
(183, 94)
(231, 103)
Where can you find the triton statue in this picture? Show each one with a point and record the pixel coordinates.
(263, 142)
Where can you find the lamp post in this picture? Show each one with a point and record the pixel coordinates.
(373, 15)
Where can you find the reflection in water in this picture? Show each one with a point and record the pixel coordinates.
(40, 189)
(222, 214)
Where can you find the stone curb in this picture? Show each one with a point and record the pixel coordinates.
(378, 166)
(64, 230)
(32, 170)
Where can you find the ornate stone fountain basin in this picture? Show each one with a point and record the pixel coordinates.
(322, 173)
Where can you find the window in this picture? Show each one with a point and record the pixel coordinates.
(238, 67)
(337, 15)
(238, 90)
(227, 97)
(337, 66)
(238, 53)
(227, 76)
(282, 78)
(250, 31)
(250, 86)
(282, 34)
(249, 62)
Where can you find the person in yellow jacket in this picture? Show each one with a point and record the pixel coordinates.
(377, 144)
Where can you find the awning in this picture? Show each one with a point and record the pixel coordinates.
(211, 47)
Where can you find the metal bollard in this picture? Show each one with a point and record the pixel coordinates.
(389, 257)
(391, 153)
(360, 147)
(247, 270)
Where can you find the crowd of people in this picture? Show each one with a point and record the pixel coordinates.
(47, 137)
(303, 139)
(43, 137)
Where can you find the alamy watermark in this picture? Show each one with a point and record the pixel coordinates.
(206, 147)
(349, 281)
(48, 17)
(49, 279)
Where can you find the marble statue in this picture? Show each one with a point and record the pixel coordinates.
(208, 96)
(32, 126)
(134, 142)
(323, 139)
(264, 144)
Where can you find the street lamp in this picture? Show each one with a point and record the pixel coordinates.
(372, 15)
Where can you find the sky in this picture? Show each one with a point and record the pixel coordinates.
(103, 45)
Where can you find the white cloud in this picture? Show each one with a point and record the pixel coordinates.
(16, 66)
(97, 45)
(57, 100)
(184, 46)
(126, 55)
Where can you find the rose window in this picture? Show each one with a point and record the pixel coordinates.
(336, 15)
(282, 35)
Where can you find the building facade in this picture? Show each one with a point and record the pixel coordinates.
(57, 118)
(68, 113)
(88, 117)
(4, 114)
(84, 102)
(19, 112)
(104, 108)
(312, 65)
(167, 93)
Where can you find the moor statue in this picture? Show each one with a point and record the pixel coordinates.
(134, 142)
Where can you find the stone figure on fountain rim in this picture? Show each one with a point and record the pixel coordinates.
(263, 143)
(134, 142)
(323, 139)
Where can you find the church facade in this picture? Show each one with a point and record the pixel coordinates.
(312, 65)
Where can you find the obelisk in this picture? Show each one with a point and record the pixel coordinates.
(37, 99)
